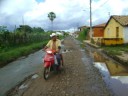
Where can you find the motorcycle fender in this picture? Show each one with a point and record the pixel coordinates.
(47, 64)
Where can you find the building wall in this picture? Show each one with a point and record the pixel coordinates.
(110, 30)
(110, 33)
(98, 32)
(125, 35)
(112, 41)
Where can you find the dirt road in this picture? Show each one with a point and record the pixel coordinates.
(78, 78)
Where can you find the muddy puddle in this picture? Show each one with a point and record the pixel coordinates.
(114, 74)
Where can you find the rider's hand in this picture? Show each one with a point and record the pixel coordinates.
(44, 48)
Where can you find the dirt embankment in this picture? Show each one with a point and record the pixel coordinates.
(78, 78)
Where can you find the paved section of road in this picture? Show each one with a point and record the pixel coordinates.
(16, 71)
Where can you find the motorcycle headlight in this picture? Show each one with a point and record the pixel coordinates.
(49, 52)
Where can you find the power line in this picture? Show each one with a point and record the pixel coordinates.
(101, 5)
(94, 10)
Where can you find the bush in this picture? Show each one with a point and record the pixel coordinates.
(92, 41)
(83, 35)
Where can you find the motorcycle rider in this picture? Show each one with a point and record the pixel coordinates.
(55, 45)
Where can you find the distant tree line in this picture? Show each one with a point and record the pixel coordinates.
(24, 34)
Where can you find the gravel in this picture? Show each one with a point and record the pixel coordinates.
(78, 77)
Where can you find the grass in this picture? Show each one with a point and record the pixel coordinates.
(15, 53)
(116, 50)
(81, 37)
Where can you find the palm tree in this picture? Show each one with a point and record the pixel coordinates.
(52, 16)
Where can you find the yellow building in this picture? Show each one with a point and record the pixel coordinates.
(116, 30)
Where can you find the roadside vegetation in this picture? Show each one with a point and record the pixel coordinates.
(15, 53)
(83, 35)
(22, 41)
(116, 50)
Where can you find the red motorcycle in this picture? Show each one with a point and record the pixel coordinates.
(49, 63)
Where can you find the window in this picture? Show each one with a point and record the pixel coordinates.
(117, 32)
(108, 32)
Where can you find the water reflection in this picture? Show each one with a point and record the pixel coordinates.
(97, 57)
(114, 74)
(114, 68)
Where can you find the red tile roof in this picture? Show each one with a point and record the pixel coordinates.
(122, 19)
(100, 25)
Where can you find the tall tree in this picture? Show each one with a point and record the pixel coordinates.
(52, 16)
(3, 29)
(24, 28)
(38, 29)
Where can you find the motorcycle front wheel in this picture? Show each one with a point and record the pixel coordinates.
(46, 73)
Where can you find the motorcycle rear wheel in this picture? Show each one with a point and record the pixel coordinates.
(46, 73)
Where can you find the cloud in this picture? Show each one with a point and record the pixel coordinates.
(69, 13)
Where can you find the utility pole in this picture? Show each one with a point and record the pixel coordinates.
(52, 26)
(15, 28)
(23, 20)
(90, 19)
(109, 14)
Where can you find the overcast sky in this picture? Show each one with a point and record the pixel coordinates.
(70, 13)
